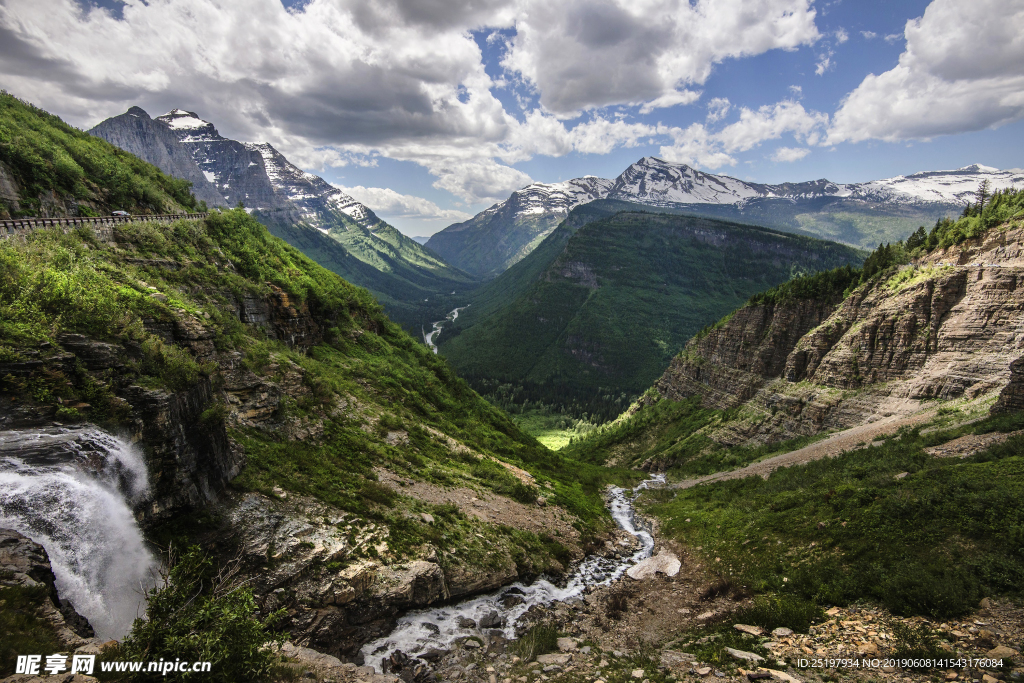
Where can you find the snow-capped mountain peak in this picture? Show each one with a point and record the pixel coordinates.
(555, 198)
(188, 126)
(957, 187)
(658, 182)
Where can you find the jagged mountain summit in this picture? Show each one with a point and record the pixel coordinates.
(859, 214)
(328, 225)
(238, 169)
(135, 132)
(495, 239)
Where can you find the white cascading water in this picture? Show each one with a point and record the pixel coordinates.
(70, 490)
(422, 630)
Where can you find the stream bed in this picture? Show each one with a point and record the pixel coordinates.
(439, 628)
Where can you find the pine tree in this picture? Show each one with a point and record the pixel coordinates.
(983, 193)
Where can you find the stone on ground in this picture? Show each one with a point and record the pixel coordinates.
(566, 644)
(746, 628)
(664, 562)
(747, 656)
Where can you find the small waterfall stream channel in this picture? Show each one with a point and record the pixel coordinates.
(71, 491)
(439, 628)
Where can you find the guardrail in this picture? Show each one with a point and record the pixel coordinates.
(23, 226)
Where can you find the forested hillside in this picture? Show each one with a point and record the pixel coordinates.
(598, 310)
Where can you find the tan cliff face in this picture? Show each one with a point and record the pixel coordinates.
(944, 327)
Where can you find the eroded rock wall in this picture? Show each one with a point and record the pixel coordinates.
(945, 327)
(728, 365)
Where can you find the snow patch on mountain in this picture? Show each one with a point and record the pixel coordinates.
(554, 198)
(656, 182)
(959, 186)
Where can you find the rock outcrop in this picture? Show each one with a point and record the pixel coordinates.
(731, 363)
(24, 563)
(1011, 398)
(947, 326)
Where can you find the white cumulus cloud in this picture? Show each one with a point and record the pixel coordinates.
(388, 202)
(670, 99)
(962, 70)
(790, 154)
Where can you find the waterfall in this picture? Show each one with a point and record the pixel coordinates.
(422, 630)
(70, 490)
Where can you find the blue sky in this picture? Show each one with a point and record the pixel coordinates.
(430, 111)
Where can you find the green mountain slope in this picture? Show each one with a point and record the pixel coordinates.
(850, 221)
(598, 311)
(49, 169)
(414, 286)
(489, 243)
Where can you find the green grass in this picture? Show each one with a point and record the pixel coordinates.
(842, 529)
(45, 154)
(673, 435)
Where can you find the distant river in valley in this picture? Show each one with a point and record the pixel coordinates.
(429, 337)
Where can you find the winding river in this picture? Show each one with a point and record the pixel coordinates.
(429, 337)
(439, 628)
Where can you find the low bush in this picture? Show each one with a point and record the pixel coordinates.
(789, 611)
(203, 614)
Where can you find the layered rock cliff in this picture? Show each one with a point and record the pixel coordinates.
(944, 327)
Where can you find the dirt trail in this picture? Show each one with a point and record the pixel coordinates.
(837, 444)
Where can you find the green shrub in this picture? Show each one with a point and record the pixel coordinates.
(539, 640)
(916, 642)
(773, 611)
(203, 615)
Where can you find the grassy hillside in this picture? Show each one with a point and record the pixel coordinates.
(48, 168)
(55, 284)
(414, 286)
(595, 314)
(951, 527)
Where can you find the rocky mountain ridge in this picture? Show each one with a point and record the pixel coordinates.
(511, 229)
(301, 208)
